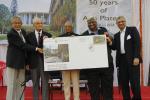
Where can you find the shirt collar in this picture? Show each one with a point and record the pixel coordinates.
(36, 32)
(123, 30)
(90, 32)
(18, 31)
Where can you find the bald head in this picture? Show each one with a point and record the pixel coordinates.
(68, 26)
(68, 23)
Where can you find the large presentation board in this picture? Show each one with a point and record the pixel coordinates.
(81, 52)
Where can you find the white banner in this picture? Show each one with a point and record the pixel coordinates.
(81, 52)
(106, 12)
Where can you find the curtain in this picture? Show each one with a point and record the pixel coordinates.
(146, 38)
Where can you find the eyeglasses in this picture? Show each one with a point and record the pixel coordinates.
(121, 21)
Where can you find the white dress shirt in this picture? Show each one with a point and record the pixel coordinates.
(37, 34)
(122, 35)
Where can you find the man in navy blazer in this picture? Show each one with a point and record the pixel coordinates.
(127, 45)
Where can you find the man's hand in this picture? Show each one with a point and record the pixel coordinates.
(44, 37)
(109, 40)
(136, 61)
(27, 67)
(107, 34)
(40, 50)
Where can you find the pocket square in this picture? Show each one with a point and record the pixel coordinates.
(128, 37)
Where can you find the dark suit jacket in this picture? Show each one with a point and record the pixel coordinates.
(131, 45)
(101, 31)
(34, 56)
(16, 52)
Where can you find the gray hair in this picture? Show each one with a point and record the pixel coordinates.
(120, 17)
(16, 18)
(37, 19)
(91, 19)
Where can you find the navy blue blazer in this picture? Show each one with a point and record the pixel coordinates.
(17, 48)
(34, 56)
(131, 44)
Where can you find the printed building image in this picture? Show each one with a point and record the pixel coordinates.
(28, 9)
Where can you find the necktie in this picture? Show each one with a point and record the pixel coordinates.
(39, 38)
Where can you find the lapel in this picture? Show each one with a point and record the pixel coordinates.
(16, 33)
(119, 40)
(43, 34)
(23, 34)
(87, 33)
(125, 37)
(34, 38)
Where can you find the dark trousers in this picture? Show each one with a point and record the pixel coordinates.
(38, 73)
(129, 73)
(100, 83)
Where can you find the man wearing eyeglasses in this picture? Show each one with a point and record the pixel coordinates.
(127, 45)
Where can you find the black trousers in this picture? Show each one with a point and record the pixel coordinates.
(100, 83)
(129, 73)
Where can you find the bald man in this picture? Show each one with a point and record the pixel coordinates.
(70, 76)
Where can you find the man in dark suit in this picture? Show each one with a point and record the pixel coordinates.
(127, 45)
(16, 59)
(36, 60)
(100, 80)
